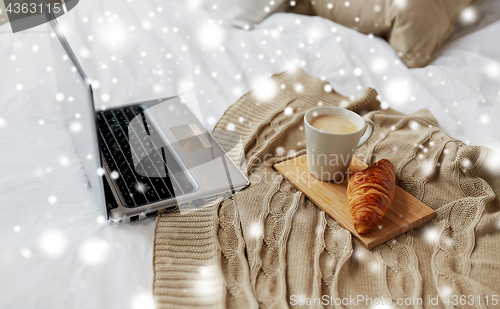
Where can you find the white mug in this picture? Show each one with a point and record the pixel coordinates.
(329, 154)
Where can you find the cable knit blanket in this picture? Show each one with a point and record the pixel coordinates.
(268, 246)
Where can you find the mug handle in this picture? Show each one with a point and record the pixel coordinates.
(368, 133)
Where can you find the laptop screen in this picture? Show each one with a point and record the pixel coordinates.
(75, 97)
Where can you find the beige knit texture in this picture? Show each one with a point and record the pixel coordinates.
(269, 243)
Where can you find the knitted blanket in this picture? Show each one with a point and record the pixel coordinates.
(268, 246)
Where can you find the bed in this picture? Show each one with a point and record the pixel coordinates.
(57, 251)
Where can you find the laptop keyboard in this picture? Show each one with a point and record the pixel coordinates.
(149, 180)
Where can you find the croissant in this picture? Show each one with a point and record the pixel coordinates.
(370, 193)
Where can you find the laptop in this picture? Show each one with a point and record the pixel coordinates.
(142, 157)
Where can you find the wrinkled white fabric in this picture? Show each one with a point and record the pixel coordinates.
(54, 244)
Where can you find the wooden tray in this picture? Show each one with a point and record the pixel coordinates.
(405, 213)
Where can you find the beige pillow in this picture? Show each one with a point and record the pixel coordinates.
(414, 28)
(3, 14)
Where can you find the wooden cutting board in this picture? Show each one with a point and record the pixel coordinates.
(405, 213)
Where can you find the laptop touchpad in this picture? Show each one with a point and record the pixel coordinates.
(190, 137)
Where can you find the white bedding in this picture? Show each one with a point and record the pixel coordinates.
(55, 250)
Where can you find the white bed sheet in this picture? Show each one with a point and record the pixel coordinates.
(55, 250)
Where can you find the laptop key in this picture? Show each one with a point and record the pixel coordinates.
(147, 188)
(128, 200)
(139, 198)
(128, 113)
(111, 164)
(152, 195)
(161, 188)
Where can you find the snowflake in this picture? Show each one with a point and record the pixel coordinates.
(256, 230)
(64, 161)
(298, 87)
(358, 254)
(93, 251)
(140, 187)
(427, 168)
(26, 253)
(397, 91)
(207, 282)
(211, 120)
(265, 89)
(484, 119)
(157, 88)
(146, 25)
(401, 4)
(468, 16)
(431, 235)
(75, 126)
(210, 35)
(230, 127)
(85, 53)
(465, 164)
(52, 199)
(95, 84)
(375, 266)
(446, 291)
(142, 300)
(378, 65)
(52, 243)
(493, 70)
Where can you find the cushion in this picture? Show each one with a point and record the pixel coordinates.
(414, 28)
(247, 13)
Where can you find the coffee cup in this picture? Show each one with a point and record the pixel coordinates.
(332, 136)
